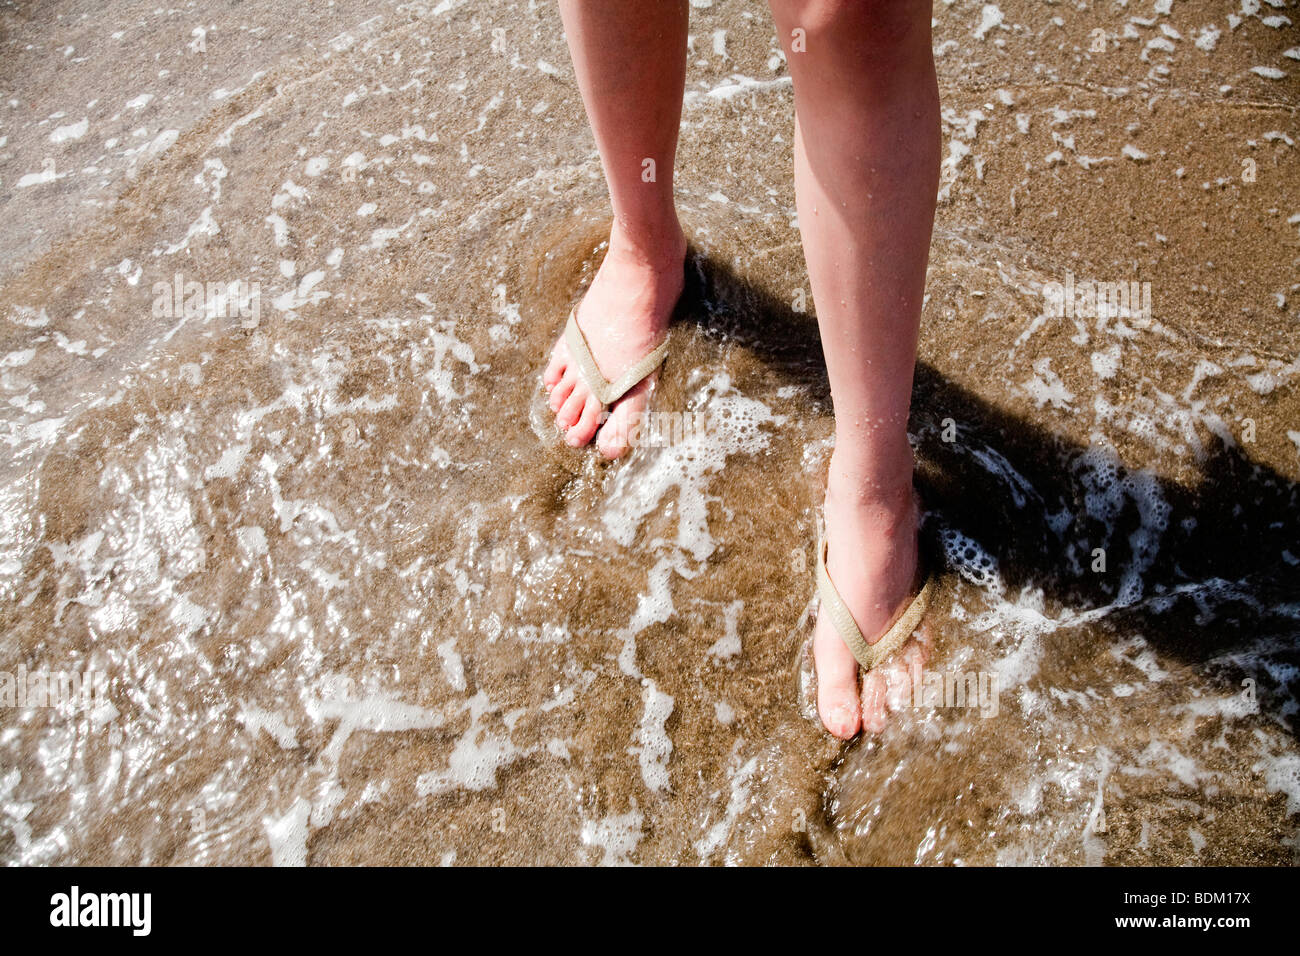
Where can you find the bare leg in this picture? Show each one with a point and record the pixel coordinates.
(866, 171)
(630, 58)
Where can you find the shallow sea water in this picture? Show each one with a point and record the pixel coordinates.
(355, 604)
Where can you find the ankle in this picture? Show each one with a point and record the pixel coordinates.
(659, 246)
(888, 512)
(884, 487)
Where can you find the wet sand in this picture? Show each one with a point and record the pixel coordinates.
(355, 605)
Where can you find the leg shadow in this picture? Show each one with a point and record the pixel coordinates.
(1205, 573)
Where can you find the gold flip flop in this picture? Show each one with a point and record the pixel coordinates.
(899, 630)
(608, 392)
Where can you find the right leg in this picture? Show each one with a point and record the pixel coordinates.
(630, 59)
(867, 142)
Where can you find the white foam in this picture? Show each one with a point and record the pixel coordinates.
(374, 713)
(715, 837)
(205, 225)
(1046, 387)
(653, 746)
(304, 294)
(728, 646)
(63, 134)
(47, 175)
(287, 834)
(1282, 775)
(617, 837)
(1106, 364)
(735, 425)
(274, 723)
(475, 758)
(229, 464)
(736, 85)
(252, 541)
(990, 18)
(452, 666)
(1208, 37)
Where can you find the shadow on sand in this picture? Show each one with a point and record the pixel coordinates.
(1199, 572)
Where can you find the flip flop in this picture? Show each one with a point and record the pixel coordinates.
(608, 392)
(899, 630)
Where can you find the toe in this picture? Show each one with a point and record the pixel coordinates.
(584, 429)
(875, 702)
(555, 368)
(619, 433)
(562, 390)
(571, 410)
(837, 682)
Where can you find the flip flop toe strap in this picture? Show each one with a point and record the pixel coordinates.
(869, 655)
(607, 392)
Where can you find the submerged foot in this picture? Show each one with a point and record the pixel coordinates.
(872, 559)
(623, 316)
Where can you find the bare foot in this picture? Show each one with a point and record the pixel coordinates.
(872, 558)
(623, 316)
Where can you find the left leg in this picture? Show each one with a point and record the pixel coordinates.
(867, 147)
(630, 60)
